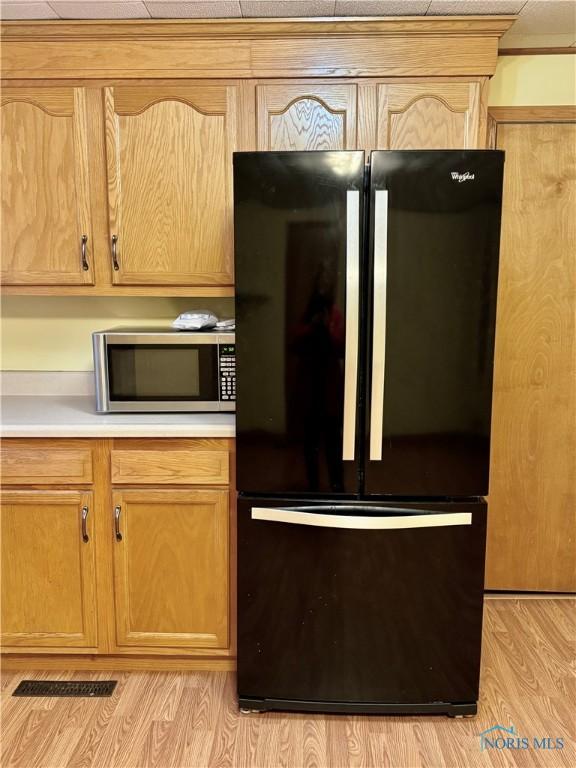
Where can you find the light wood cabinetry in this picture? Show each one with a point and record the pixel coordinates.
(169, 158)
(151, 157)
(26, 464)
(305, 115)
(171, 568)
(532, 523)
(48, 570)
(142, 571)
(172, 467)
(46, 220)
(426, 114)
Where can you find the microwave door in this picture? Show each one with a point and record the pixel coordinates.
(150, 373)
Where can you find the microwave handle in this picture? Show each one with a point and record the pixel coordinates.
(100, 372)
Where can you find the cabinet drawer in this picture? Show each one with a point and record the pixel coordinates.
(45, 466)
(170, 467)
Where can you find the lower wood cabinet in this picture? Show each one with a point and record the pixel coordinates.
(48, 570)
(171, 568)
(106, 562)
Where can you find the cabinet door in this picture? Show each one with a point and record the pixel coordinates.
(422, 115)
(46, 228)
(169, 152)
(48, 570)
(532, 526)
(306, 116)
(171, 568)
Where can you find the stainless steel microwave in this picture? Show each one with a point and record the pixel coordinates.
(159, 369)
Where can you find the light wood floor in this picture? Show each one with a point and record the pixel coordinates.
(190, 720)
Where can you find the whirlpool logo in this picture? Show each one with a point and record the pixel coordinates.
(499, 737)
(460, 177)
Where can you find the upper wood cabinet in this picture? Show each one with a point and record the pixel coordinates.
(48, 570)
(169, 158)
(46, 223)
(428, 115)
(306, 116)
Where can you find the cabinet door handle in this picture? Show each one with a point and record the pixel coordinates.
(85, 537)
(117, 511)
(85, 265)
(115, 263)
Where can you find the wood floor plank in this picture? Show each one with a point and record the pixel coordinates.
(191, 720)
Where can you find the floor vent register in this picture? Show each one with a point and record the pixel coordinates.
(78, 688)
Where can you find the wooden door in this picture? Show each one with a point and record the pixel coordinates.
(48, 571)
(532, 504)
(169, 154)
(46, 224)
(426, 115)
(306, 116)
(171, 568)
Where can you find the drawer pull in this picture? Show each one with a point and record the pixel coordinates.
(117, 511)
(85, 537)
(315, 516)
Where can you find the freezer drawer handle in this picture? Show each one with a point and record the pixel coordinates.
(352, 320)
(379, 323)
(433, 520)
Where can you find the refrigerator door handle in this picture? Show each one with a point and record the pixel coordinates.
(386, 522)
(379, 323)
(352, 323)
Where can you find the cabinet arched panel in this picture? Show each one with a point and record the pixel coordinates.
(428, 116)
(306, 116)
(45, 188)
(170, 183)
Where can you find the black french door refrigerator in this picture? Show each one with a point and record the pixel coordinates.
(365, 314)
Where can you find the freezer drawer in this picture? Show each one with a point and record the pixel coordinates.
(359, 606)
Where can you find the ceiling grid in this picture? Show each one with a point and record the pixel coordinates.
(540, 24)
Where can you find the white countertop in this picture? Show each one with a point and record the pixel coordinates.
(74, 416)
(62, 404)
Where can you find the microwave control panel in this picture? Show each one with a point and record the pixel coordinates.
(227, 372)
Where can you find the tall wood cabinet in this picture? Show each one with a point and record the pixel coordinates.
(46, 218)
(532, 520)
(169, 160)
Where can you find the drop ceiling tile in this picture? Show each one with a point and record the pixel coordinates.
(280, 8)
(102, 9)
(540, 17)
(193, 9)
(15, 10)
(381, 7)
(474, 7)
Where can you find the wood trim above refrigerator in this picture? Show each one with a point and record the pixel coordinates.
(433, 46)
